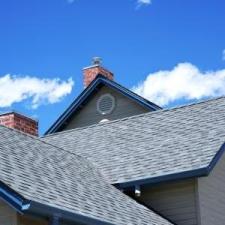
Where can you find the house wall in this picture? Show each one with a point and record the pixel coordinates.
(89, 114)
(69, 223)
(211, 194)
(175, 200)
(8, 215)
(28, 220)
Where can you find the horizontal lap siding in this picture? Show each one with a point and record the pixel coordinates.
(176, 201)
(211, 191)
(89, 114)
(7, 214)
(27, 220)
(30, 220)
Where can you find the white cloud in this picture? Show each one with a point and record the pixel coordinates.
(144, 2)
(15, 89)
(185, 81)
(223, 55)
(139, 2)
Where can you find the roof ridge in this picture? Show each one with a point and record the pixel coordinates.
(43, 141)
(136, 116)
(131, 92)
(71, 209)
(58, 148)
(18, 131)
(86, 93)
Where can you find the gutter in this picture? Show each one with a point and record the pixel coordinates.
(45, 210)
(24, 206)
(171, 177)
(15, 200)
(201, 172)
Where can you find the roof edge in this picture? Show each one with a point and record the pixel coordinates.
(39, 208)
(155, 211)
(22, 206)
(170, 177)
(86, 93)
(216, 158)
(15, 200)
(205, 171)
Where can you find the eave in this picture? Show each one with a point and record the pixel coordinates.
(15, 200)
(200, 172)
(82, 98)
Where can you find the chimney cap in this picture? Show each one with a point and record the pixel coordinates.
(19, 114)
(97, 61)
(19, 122)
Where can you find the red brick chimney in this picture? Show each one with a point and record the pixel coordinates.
(91, 72)
(19, 122)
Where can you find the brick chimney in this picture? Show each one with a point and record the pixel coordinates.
(20, 122)
(92, 71)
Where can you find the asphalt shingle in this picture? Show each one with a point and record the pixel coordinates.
(51, 176)
(150, 145)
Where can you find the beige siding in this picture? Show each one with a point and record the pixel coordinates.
(211, 191)
(30, 220)
(7, 214)
(69, 223)
(89, 114)
(175, 200)
(27, 220)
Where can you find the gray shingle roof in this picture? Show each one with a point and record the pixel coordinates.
(151, 145)
(48, 175)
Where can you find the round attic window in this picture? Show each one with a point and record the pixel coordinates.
(106, 104)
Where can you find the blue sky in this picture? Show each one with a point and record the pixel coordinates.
(171, 52)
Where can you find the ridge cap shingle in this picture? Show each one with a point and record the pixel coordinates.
(32, 170)
(155, 144)
(44, 142)
(136, 116)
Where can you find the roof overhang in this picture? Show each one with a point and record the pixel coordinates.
(84, 96)
(201, 172)
(45, 210)
(24, 206)
(166, 178)
(15, 200)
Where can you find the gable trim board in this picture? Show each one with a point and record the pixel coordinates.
(80, 100)
(176, 176)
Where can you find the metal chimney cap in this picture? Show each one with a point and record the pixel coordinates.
(97, 61)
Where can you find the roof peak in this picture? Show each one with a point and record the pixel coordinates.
(100, 80)
(136, 116)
